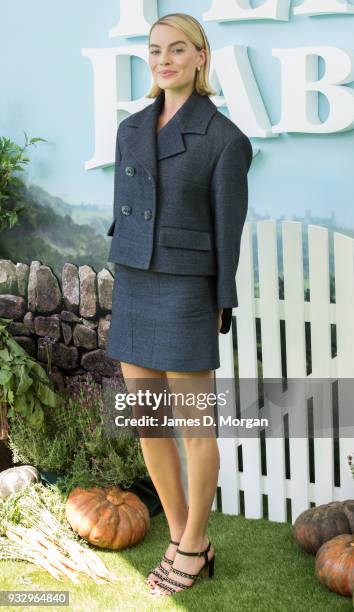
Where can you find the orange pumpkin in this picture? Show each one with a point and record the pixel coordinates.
(334, 564)
(107, 517)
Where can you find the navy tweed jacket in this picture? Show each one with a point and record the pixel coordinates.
(182, 211)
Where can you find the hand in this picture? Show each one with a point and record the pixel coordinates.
(220, 319)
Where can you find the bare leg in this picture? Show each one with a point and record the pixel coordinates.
(163, 464)
(203, 467)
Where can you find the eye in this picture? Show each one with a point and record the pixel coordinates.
(153, 51)
(178, 50)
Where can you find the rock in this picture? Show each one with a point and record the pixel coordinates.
(16, 328)
(44, 293)
(28, 321)
(22, 273)
(85, 337)
(66, 357)
(90, 324)
(103, 328)
(67, 332)
(28, 344)
(97, 361)
(32, 286)
(105, 288)
(88, 296)
(69, 317)
(48, 293)
(12, 307)
(71, 287)
(8, 278)
(47, 326)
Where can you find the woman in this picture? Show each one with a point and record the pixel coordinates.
(175, 263)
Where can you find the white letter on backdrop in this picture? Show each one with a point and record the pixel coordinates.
(135, 18)
(300, 87)
(235, 10)
(244, 102)
(112, 93)
(323, 7)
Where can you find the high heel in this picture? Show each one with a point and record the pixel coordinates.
(156, 571)
(207, 571)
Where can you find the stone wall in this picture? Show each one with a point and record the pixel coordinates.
(67, 318)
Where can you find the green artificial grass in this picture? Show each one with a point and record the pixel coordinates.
(258, 567)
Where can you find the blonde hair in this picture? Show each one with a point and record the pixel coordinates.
(195, 32)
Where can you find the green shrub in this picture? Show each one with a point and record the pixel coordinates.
(75, 443)
(12, 160)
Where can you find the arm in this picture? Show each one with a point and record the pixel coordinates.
(229, 199)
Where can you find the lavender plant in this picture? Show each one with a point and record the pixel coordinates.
(76, 442)
(47, 343)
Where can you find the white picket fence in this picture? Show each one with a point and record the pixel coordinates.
(295, 311)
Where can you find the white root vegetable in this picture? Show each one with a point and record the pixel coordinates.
(50, 555)
(44, 541)
(97, 565)
(37, 560)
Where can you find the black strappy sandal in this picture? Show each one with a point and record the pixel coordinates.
(156, 571)
(207, 571)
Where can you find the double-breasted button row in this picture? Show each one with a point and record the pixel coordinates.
(127, 210)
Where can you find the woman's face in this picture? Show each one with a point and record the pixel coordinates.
(173, 58)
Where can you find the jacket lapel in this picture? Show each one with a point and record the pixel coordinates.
(192, 118)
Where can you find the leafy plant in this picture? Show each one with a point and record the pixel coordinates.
(12, 160)
(24, 384)
(75, 443)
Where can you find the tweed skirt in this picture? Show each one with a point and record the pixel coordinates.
(164, 321)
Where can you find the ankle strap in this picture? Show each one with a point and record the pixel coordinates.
(195, 554)
(173, 542)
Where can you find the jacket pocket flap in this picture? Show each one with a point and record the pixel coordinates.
(111, 229)
(182, 238)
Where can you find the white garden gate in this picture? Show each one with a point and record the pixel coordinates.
(250, 484)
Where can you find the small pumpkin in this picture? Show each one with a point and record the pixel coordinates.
(17, 478)
(321, 523)
(334, 564)
(108, 517)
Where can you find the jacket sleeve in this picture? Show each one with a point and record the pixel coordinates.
(229, 200)
(117, 159)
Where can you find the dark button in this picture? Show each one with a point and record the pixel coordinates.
(126, 210)
(147, 214)
(129, 170)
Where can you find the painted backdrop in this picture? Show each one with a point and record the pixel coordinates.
(70, 70)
